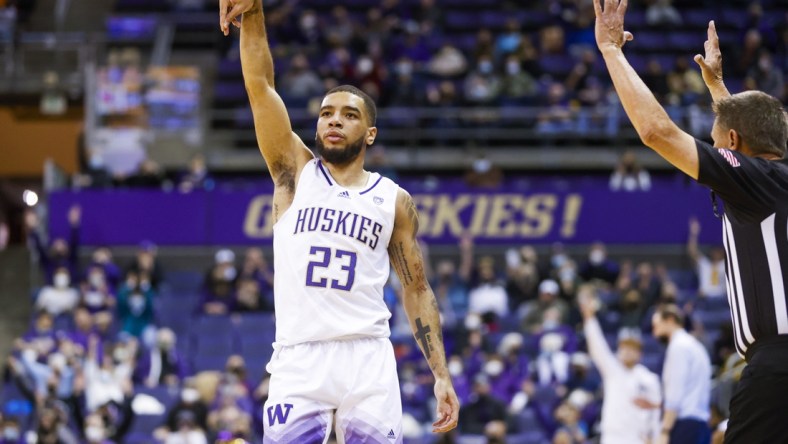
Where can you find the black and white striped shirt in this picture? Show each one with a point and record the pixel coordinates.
(755, 235)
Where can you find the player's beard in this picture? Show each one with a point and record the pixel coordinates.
(339, 156)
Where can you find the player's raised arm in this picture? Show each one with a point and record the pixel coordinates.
(422, 307)
(283, 150)
(711, 65)
(652, 123)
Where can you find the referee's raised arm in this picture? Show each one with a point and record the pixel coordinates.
(747, 169)
(649, 118)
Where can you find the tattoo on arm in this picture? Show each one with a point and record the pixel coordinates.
(397, 253)
(423, 336)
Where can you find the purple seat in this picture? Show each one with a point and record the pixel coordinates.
(556, 64)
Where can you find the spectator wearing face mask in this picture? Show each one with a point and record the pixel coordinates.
(518, 86)
(11, 432)
(96, 293)
(162, 364)
(102, 258)
(147, 266)
(53, 428)
(552, 363)
(231, 412)
(41, 336)
(135, 306)
(629, 175)
(482, 86)
(60, 297)
(104, 380)
(218, 298)
(598, 266)
(187, 420)
(489, 294)
(482, 408)
(256, 267)
(61, 253)
(533, 313)
(483, 173)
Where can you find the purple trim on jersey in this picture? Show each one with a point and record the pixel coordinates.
(309, 429)
(373, 186)
(325, 174)
(360, 432)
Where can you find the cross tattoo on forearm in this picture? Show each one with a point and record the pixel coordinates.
(423, 336)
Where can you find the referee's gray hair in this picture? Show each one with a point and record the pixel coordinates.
(758, 118)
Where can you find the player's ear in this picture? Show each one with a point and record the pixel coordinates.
(372, 133)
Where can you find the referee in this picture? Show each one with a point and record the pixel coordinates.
(747, 169)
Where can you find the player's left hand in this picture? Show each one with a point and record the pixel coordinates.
(609, 27)
(448, 406)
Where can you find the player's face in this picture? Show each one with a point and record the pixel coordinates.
(342, 128)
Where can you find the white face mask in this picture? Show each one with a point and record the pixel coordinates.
(190, 395)
(62, 280)
(94, 433)
(596, 257)
(455, 368)
(96, 279)
(493, 368)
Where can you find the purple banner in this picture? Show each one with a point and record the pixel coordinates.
(536, 210)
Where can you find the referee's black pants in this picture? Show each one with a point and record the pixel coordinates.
(759, 407)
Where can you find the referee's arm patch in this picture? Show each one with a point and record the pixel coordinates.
(729, 157)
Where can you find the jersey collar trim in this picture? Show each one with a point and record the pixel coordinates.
(325, 174)
(373, 186)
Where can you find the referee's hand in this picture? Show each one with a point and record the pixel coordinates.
(711, 63)
(448, 410)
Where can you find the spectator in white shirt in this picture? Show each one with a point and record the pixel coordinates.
(711, 269)
(58, 298)
(686, 379)
(489, 295)
(626, 381)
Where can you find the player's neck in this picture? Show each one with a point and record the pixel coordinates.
(351, 175)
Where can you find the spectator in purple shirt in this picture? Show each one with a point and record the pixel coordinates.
(218, 296)
(162, 364)
(61, 253)
(41, 336)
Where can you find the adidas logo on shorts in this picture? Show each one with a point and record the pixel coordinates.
(391, 435)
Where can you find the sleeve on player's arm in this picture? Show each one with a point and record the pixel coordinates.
(740, 180)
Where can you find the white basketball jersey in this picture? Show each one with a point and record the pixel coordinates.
(331, 259)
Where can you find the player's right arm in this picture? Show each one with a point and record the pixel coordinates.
(283, 151)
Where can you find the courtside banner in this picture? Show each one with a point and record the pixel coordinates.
(526, 210)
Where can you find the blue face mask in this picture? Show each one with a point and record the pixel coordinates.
(11, 434)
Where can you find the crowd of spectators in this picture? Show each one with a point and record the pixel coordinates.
(408, 53)
(101, 351)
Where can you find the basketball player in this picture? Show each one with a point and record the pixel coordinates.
(748, 170)
(336, 227)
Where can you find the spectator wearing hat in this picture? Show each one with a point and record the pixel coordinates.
(627, 383)
(533, 313)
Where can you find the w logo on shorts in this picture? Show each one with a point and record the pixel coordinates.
(278, 413)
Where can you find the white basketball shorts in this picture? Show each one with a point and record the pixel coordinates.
(354, 379)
